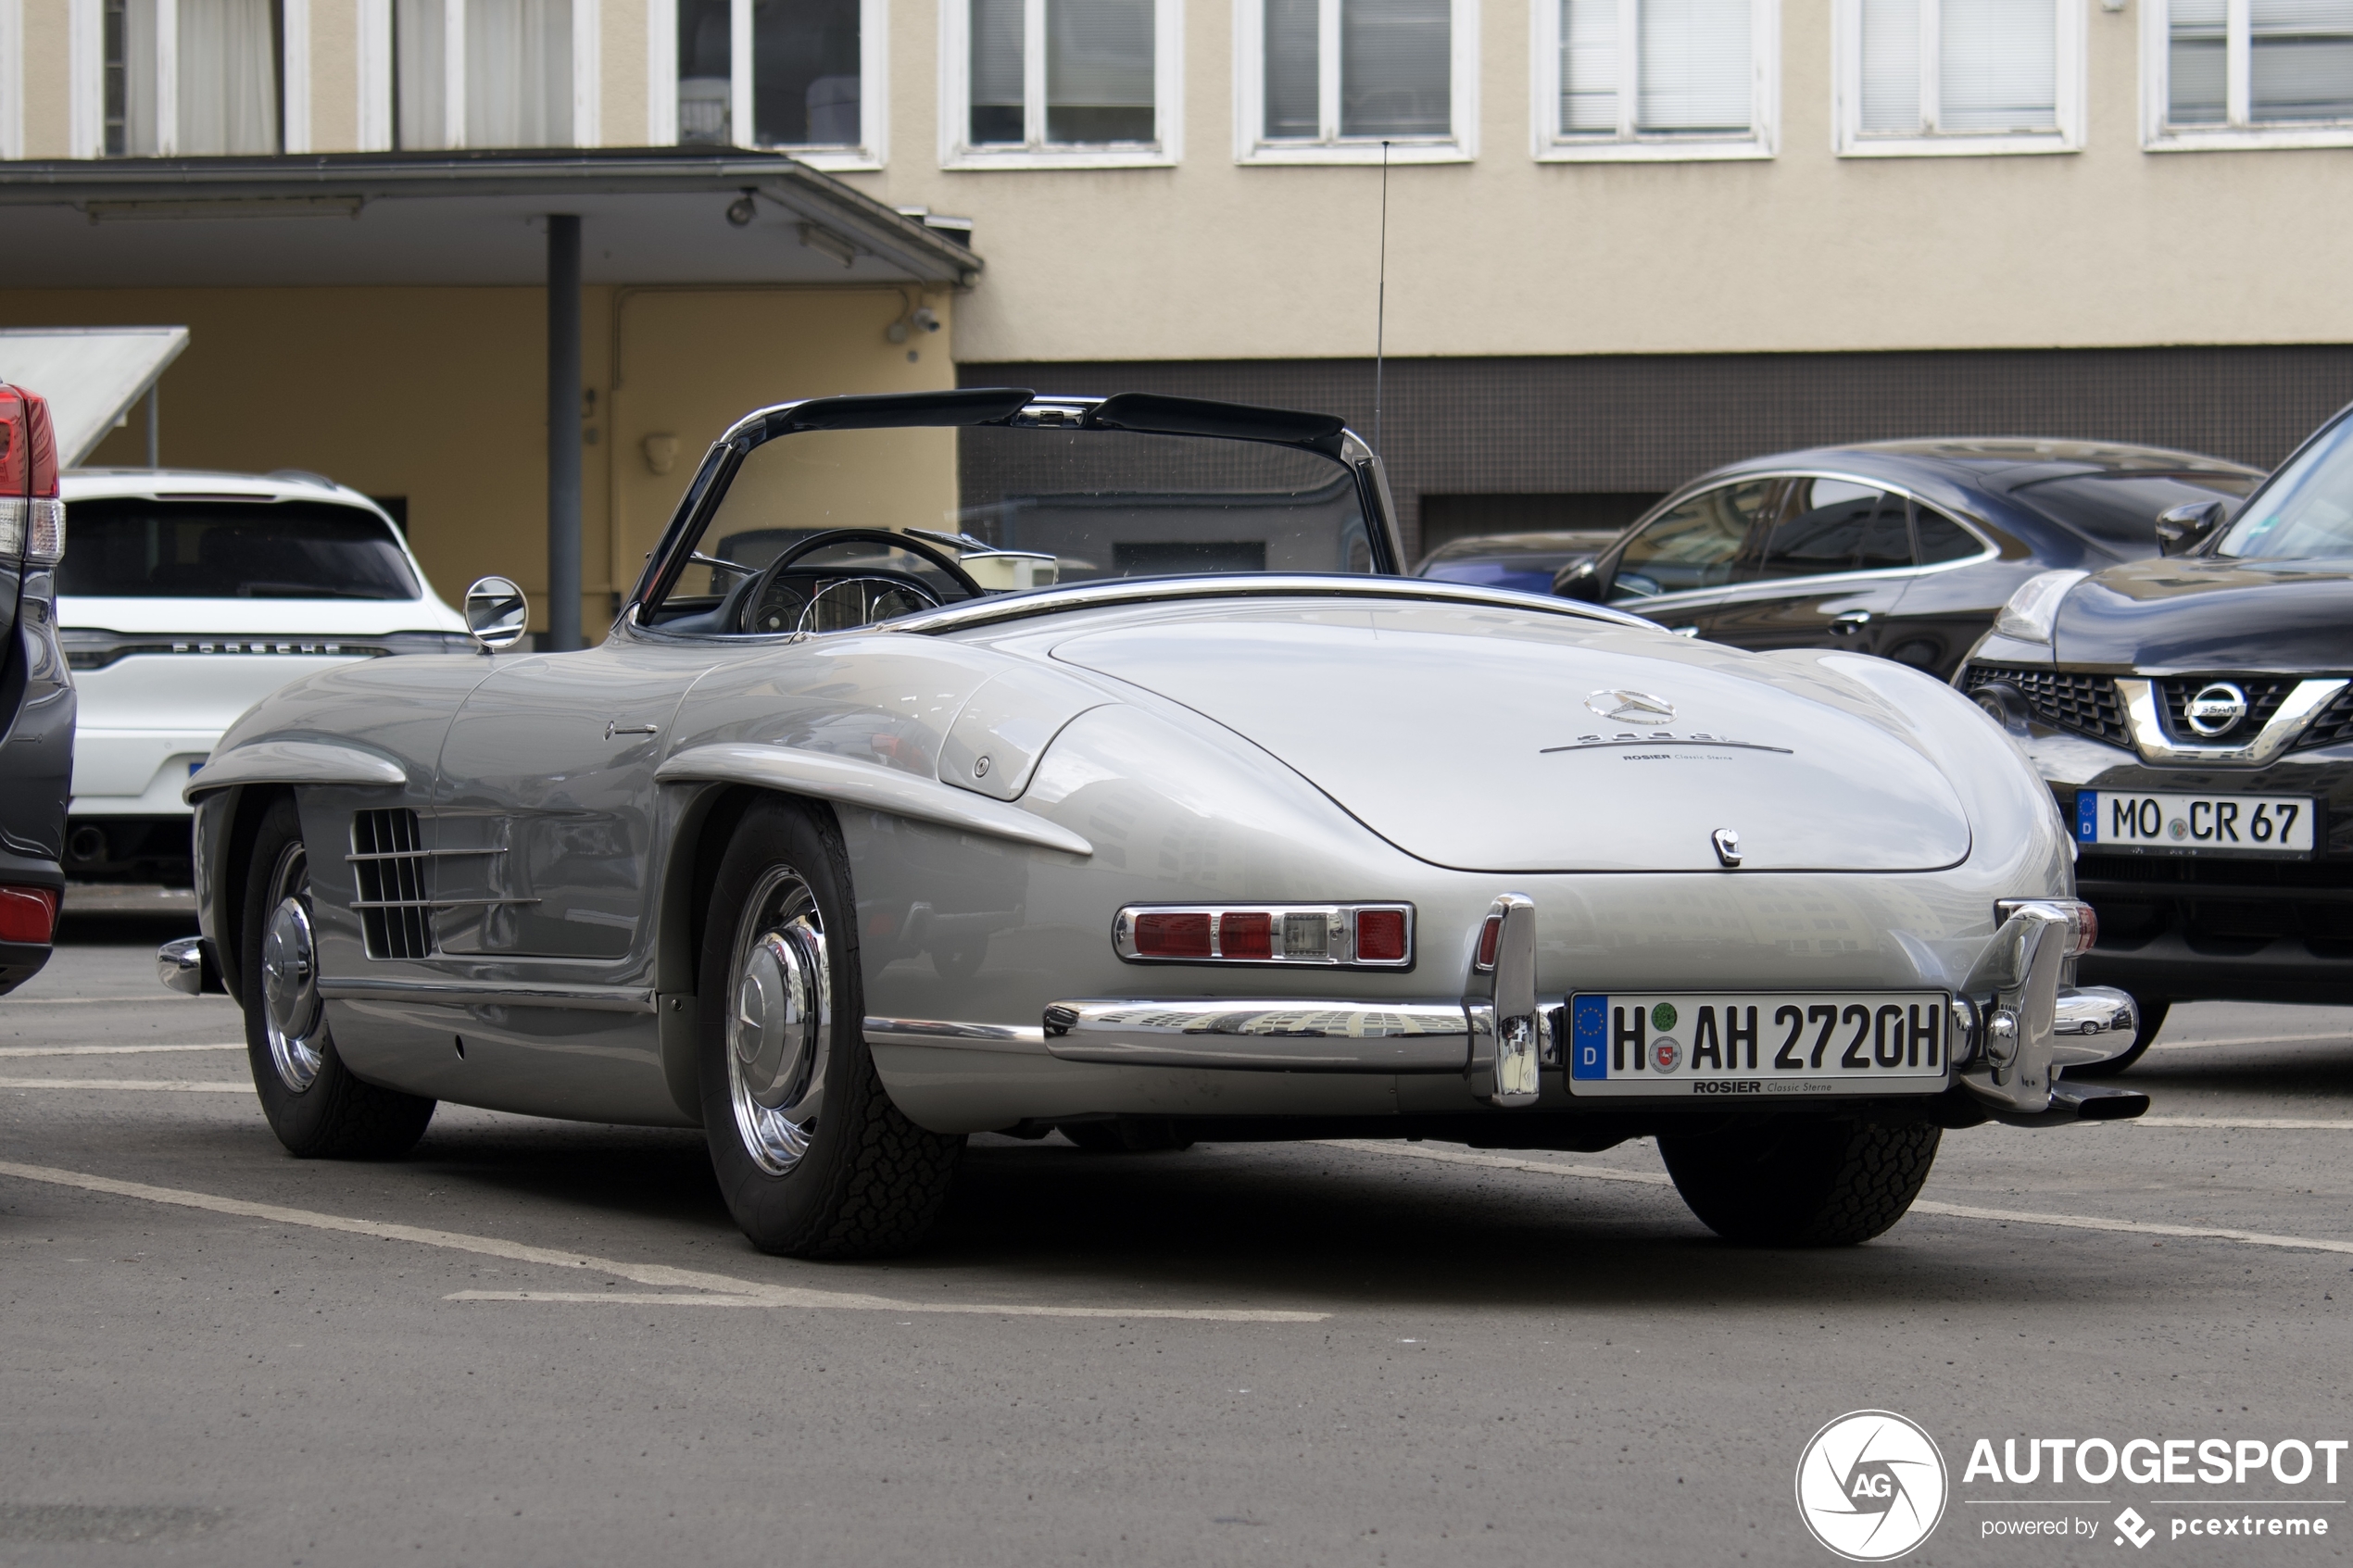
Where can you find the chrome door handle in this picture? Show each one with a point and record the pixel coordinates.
(614, 727)
(1851, 622)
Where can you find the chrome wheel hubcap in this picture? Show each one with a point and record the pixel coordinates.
(778, 1016)
(293, 1019)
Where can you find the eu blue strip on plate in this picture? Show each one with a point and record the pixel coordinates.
(1588, 1034)
(2087, 816)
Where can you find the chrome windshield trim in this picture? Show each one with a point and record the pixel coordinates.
(1022, 1038)
(1240, 585)
(491, 993)
(1295, 1034)
(2287, 721)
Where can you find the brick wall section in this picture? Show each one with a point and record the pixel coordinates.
(1647, 423)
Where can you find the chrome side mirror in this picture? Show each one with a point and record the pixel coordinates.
(497, 614)
(1580, 579)
(2185, 528)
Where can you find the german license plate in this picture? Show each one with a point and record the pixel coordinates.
(2238, 825)
(1764, 1044)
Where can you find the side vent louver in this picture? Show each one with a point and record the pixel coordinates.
(389, 856)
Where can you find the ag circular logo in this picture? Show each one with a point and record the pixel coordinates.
(1871, 1485)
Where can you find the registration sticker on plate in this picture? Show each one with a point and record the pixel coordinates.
(2237, 824)
(1759, 1043)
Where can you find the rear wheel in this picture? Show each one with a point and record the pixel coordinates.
(814, 1159)
(1802, 1181)
(314, 1104)
(2152, 1020)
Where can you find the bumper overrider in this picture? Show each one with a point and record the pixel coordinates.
(2015, 1023)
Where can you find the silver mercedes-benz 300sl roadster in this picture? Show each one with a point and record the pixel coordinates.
(978, 761)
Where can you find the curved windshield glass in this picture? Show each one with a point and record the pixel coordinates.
(132, 548)
(2307, 512)
(1013, 509)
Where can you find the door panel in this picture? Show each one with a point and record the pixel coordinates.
(545, 801)
(1944, 612)
(1829, 571)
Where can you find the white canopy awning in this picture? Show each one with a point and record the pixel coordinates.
(90, 375)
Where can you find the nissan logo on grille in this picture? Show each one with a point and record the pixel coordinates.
(1631, 708)
(2216, 710)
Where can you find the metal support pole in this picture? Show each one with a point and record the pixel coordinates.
(563, 433)
(154, 425)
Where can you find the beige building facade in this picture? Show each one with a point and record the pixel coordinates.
(1624, 238)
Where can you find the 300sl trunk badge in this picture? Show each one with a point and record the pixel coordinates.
(1728, 847)
(1631, 708)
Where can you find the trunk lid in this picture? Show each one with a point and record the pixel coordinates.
(1482, 740)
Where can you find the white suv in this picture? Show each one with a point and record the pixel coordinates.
(186, 598)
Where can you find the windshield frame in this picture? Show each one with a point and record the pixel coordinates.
(1012, 408)
(2289, 471)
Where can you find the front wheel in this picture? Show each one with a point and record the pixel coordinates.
(313, 1102)
(814, 1159)
(1802, 1181)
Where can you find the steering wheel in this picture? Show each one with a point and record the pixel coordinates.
(749, 616)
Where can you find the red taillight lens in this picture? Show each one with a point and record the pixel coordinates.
(1489, 935)
(28, 914)
(2087, 928)
(1380, 936)
(1245, 935)
(1172, 936)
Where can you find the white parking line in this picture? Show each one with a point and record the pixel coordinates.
(110, 1050)
(2273, 1123)
(2333, 1036)
(751, 1293)
(173, 1085)
(159, 999)
(1920, 1206)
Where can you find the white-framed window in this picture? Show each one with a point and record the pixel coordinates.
(444, 74)
(1061, 83)
(191, 78)
(810, 76)
(1919, 78)
(2246, 73)
(1329, 80)
(1655, 79)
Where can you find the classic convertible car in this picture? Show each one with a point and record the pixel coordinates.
(1234, 833)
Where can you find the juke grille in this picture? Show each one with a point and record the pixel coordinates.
(2063, 699)
(388, 853)
(2332, 724)
(2264, 694)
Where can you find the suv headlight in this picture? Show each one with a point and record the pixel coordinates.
(2034, 608)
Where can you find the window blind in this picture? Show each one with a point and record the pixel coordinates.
(131, 129)
(227, 77)
(420, 77)
(2196, 62)
(1098, 71)
(1396, 68)
(1997, 66)
(2300, 61)
(997, 46)
(1693, 66)
(1292, 66)
(1890, 66)
(518, 73)
(1588, 66)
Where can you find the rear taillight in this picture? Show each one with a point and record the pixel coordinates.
(1374, 935)
(1491, 936)
(2082, 920)
(45, 543)
(28, 914)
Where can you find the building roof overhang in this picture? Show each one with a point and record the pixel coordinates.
(655, 215)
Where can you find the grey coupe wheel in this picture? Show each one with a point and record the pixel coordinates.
(314, 1103)
(814, 1159)
(1802, 1181)
(2152, 1020)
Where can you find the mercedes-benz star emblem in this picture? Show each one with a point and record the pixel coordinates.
(1631, 708)
(2216, 710)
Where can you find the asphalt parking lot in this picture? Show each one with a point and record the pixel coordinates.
(539, 1343)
